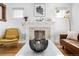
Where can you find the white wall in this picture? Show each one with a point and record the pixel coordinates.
(11, 22)
(75, 17)
(60, 24)
(57, 27)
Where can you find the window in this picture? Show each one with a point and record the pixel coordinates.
(62, 13)
(18, 13)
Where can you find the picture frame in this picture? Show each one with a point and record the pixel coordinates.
(2, 12)
(39, 9)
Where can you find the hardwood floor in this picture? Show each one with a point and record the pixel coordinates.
(64, 51)
(13, 50)
(10, 51)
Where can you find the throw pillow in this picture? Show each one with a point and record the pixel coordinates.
(72, 35)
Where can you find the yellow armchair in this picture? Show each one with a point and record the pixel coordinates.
(10, 38)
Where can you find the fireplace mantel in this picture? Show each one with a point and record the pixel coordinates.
(39, 24)
(35, 25)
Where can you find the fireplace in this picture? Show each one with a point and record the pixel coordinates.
(39, 34)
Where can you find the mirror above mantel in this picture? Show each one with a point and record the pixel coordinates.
(2, 12)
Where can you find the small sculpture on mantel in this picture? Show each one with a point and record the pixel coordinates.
(40, 19)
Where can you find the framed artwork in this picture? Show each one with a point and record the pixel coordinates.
(39, 9)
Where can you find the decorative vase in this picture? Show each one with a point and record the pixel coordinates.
(38, 45)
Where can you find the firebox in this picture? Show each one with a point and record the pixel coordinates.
(39, 34)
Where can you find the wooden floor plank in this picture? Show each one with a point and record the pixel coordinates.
(10, 51)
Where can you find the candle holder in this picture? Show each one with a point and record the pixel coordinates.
(25, 18)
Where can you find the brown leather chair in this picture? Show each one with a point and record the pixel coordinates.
(10, 38)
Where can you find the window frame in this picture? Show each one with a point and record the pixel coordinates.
(18, 17)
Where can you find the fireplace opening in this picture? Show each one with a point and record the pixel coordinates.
(39, 34)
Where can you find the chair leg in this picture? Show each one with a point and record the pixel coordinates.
(16, 45)
(62, 47)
